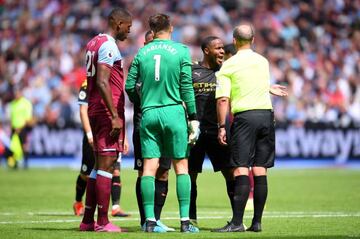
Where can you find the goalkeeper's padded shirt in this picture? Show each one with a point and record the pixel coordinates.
(163, 68)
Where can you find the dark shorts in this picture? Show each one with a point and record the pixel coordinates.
(88, 157)
(252, 140)
(208, 144)
(164, 163)
(104, 144)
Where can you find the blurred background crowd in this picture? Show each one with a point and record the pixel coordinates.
(313, 48)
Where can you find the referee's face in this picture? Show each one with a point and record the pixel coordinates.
(216, 51)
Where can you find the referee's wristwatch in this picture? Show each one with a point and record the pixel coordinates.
(221, 126)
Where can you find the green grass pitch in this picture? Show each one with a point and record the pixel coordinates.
(306, 203)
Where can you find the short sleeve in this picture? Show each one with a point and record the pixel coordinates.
(82, 97)
(108, 53)
(223, 83)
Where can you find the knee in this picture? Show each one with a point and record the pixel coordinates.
(259, 171)
(181, 167)
(106, 163)
(162, 174)
(116, 172)
(241, 171)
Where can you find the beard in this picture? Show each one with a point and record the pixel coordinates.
(120, 36)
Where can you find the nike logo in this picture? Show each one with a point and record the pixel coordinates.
(197, 73)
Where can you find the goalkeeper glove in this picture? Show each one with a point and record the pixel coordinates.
(194, 131)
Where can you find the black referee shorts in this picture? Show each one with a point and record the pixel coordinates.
(218, 154)
(164, 163)
(252, 139)
(88, 157)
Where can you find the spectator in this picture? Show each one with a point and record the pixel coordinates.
(313, 43)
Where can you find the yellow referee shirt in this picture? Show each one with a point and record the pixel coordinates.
(245, 79)
(20, 112)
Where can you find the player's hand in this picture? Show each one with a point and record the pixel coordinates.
(91, 142)
(116, 126)
(194, 131)
(126, 146)
(278, 90)
(90, 138)
(222, 136)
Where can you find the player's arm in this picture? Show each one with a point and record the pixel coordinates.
(188, 96)
(222, 105)
(130, 86)
(107, 54)
(186, 86)
(222, 94)
(102, 82)
(86, 123)
(126, 144)
(84, 118)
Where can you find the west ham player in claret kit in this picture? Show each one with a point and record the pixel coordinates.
(105, 80)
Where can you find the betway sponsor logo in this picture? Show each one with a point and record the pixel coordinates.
(53, 142)
(300, 142)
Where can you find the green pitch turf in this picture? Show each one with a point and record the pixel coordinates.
(308, 203)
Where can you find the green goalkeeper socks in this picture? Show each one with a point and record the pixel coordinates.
(183, 188)
(148, 195)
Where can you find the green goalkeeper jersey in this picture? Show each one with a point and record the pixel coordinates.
(162, 68)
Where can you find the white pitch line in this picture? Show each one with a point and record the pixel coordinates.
(64, 213)
(290, 215)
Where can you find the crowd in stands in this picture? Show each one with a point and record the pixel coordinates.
(313, 48)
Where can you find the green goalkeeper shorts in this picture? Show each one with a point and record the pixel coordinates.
(163, 132)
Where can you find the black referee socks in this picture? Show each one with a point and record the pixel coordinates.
(241, 194)
(260, 195)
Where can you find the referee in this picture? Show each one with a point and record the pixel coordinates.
(244, 80)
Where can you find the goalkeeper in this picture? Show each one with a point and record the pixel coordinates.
(163, 68)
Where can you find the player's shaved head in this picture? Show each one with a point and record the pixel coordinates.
(118, 14)
(243, 34)
(206, 42)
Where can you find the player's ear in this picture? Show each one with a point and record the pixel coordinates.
(118, 26)
(206, 50)
(171, 29)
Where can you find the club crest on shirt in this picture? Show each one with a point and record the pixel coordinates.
(84, 167)
(82, 95)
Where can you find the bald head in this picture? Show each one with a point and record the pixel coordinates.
(243, 34)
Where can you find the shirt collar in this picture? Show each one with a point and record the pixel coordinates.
(244, 51)
(108, 36)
